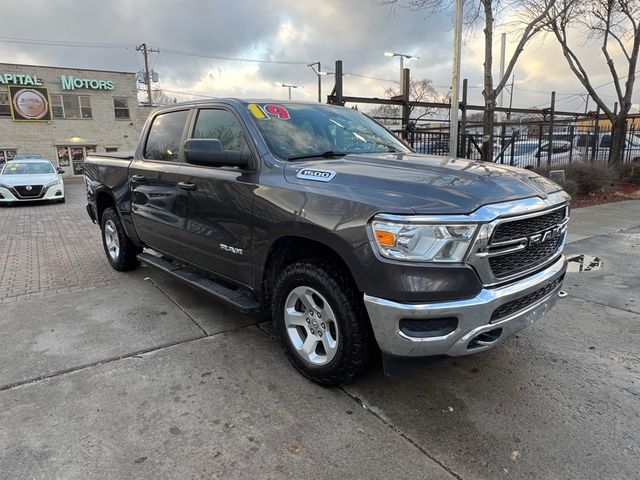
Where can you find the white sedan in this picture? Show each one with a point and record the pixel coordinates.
(30, 180)
(528, 154)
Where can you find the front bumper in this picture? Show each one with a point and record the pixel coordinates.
(475, 330)
(55, 192)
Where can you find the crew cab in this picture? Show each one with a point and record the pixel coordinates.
(317, 214)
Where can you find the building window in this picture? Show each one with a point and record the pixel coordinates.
(56, 106)
(5, 111)
(85, 106)
(71, 106)
(111, 149)
(7, 154)
(121, 108)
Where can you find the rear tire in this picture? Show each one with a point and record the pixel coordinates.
(331, 348)
(120, 250)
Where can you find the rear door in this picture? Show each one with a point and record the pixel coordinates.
(216, 232)
(156, 207)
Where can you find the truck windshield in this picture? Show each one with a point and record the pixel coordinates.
(301, 131)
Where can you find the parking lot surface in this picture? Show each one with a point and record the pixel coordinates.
(134, 375)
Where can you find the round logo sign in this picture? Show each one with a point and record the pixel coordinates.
(30, 104)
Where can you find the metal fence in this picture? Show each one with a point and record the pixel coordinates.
(531, 146)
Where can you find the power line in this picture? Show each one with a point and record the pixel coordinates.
(64, 43)
(233, 59)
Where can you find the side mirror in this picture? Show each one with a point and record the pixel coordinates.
(60, 171)
(208, 152)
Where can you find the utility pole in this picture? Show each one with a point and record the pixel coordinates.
(455, 80)
(147, 74)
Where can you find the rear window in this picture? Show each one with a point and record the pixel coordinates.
(163, 142)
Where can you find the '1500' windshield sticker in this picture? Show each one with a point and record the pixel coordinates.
(266, 112)
(317, 175)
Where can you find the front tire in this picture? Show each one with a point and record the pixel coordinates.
(121, 251)
(322, 323)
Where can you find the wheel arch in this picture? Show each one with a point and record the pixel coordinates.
(288, 249)
(104, 200)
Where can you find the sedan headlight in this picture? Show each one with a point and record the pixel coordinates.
(57, 181)
(2, 185)
(423, 242)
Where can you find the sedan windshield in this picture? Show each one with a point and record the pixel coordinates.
(27, 168)
(300, 131)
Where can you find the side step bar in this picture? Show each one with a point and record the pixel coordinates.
(240, 299)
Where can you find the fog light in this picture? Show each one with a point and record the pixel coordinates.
(428, 327)
(58, 194)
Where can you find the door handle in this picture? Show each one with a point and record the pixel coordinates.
(187, 186)
(138, 178)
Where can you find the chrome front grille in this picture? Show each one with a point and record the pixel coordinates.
(512, 263)
(512, 247)
(515, 229)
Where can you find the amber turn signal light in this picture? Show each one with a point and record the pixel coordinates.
(385, 239)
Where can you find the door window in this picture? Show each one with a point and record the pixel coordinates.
(222, 125)
(163, 142)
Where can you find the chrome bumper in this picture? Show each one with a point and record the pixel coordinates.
(474, 317)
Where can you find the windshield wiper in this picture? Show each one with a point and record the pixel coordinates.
(327, 154)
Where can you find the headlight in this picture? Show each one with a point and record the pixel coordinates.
(423, 242)
(2, 185)
(54, 183)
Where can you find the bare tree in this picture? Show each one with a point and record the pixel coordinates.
(419, 91)
(616, 24)
(158, 97)
(486, 13)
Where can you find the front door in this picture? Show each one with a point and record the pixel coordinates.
(156, 207)
(216, 233)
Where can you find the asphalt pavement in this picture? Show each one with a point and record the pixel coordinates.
(108, 375)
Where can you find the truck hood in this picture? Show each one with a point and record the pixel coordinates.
(423, 183)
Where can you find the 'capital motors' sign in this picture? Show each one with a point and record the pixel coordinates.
(19, 79)
(71, 83)
(68, 82)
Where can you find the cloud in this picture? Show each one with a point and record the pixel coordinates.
(356, 31)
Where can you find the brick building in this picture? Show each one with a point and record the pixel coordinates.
(64, 114)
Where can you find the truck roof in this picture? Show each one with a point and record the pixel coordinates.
(241, 101)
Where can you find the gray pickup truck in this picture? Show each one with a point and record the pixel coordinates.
(320, 216)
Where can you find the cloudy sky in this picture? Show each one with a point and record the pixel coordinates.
(293, 32)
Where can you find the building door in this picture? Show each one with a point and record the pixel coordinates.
(74, 155)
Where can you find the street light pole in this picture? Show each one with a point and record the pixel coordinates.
(455, 80)
(402, 56)
(289, 86)
(318, 74)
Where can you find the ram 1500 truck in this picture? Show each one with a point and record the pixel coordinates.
(320, 216)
